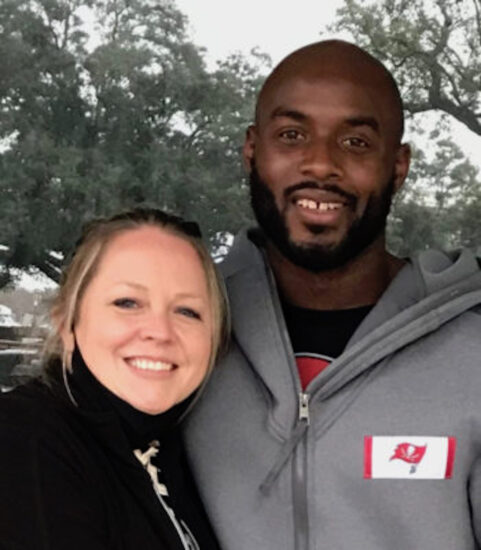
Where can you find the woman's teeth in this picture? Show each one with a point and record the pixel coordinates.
(148, 364)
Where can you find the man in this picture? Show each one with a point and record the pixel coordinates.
(347, 413)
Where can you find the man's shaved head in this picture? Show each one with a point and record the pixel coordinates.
(336, 58)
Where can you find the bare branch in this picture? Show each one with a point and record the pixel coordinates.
(200, 128)
(477, 9)
(49, 268)
(66, 29)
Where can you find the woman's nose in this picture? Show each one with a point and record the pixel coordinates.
(157, 326)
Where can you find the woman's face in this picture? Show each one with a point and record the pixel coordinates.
(145, 324)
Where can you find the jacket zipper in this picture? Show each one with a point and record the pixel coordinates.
(301, 522)
(304, 407)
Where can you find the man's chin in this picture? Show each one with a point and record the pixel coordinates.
(312, 256)
(321, 238)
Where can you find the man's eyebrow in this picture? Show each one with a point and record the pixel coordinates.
(363, 121)
(288, 113)
(298, 116)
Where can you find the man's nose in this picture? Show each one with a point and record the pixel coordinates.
(320, 160)
(157, 326)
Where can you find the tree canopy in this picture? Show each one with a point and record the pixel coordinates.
(123, 112)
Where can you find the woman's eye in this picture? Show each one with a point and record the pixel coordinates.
(188, 312)
(126, 303)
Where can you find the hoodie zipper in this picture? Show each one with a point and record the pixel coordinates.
(299, 488)
(304, 408)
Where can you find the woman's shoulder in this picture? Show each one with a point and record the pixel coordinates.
(40, 428)
(44, 463)
(31, 409)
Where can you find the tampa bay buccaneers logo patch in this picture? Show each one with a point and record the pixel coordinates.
(409, 457)
(412, 454)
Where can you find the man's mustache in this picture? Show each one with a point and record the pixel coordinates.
(331, 187)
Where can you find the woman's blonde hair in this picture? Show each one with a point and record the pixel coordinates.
(85, 260)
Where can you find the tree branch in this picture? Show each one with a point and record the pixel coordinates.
(49, 268)
(478, 15)
(66, 29)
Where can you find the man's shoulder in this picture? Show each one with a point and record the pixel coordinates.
(441, 270)
(245, 253)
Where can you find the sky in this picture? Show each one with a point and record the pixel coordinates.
(276, 27)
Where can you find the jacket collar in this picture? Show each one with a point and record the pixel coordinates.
(432, 288)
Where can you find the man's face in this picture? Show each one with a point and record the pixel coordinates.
(324, 164)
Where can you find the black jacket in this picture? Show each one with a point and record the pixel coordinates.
(69, 478)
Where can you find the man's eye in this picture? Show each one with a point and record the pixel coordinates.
(291, 135)
(126, 303)
(188, 312)
(356, 142)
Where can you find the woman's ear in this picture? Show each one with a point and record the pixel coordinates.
(66, 334)
(68, 340)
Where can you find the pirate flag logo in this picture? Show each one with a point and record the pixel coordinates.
(412, 454)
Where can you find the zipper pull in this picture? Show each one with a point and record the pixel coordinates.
(304, 407)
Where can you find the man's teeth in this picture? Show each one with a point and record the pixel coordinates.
(147, 364)
(321, 206)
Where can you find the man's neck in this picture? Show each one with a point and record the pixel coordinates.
(360, 282)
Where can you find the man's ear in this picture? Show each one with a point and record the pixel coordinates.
(401, 165)
(249, 147)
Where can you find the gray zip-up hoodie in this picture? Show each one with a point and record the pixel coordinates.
(381, 451)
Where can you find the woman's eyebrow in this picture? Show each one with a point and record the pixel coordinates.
(137, 286)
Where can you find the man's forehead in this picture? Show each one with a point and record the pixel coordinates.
(308, 94)
(334, 60)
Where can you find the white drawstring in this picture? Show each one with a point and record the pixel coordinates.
(184, 533)
(144, 459)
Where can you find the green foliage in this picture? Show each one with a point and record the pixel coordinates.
(433, 48)
(137, 119)
(437, 206)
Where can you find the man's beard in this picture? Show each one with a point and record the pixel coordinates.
(320, 257)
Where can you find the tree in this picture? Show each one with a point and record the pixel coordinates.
(433, 47)
(437, 206)
(137, 119)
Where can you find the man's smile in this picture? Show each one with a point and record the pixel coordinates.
(319, 206)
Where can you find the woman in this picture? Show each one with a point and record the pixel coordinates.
(90, 455)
